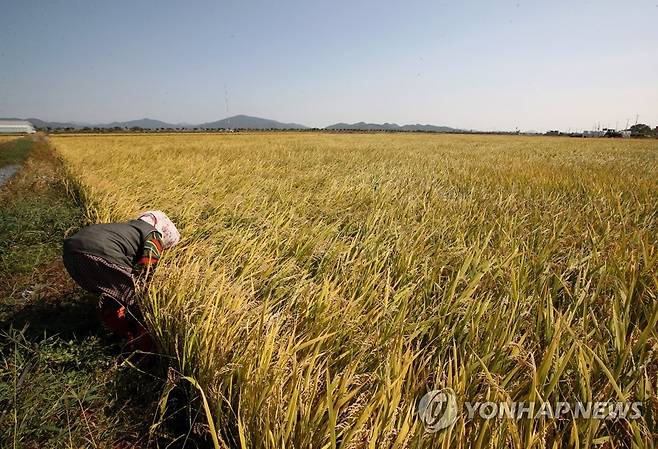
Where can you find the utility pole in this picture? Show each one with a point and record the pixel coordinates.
(637, 116)
(228, 122)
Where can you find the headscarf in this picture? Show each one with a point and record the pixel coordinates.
(162, 223)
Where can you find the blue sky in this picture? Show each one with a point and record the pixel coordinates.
(471, 64)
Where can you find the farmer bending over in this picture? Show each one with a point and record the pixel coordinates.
(107, 259)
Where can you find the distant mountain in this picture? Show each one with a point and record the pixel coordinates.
(362, 126)
(248, 122)
(144, 123)
(237, 121)
(429, 128)
(41, 124)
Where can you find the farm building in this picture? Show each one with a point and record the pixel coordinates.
(16, 127)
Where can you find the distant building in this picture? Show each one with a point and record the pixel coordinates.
(609, 132)
(626, 134)
(16, 127)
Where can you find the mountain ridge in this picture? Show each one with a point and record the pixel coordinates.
(363, 126)
(240, 121)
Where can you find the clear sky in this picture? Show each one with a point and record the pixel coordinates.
(471, 64)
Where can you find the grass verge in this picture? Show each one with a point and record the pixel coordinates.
(14, 151)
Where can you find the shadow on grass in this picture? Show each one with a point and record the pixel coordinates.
(70, 319)
(66, 380)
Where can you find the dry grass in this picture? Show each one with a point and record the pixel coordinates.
(4, 139)
(325, 282)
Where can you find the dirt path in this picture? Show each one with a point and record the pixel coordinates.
(7, 172)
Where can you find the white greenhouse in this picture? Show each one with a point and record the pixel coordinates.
(16, 127)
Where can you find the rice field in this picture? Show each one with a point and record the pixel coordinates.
(326, 282)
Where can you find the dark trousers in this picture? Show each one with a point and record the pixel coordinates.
(115, 285)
